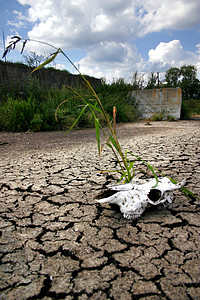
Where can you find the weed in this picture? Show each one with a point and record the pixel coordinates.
(16, 115)
(162, 115)
(190, 107)
(36, 122)
(171, 118)
(159, 116)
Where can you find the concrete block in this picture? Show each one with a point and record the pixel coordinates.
(167, 101)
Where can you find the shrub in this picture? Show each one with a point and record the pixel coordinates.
(37, 122)
(171, 118)
(126, 111)
(158, 116)
(162, 116)
(190, 107)
(16, 115)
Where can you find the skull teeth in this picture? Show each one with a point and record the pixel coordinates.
(130, 217)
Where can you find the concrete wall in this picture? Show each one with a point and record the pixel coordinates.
(15, 73)
(166, 100)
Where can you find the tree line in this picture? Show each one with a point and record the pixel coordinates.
(184, 77)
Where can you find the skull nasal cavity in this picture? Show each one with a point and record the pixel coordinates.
(154, 195)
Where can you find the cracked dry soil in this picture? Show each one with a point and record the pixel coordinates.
(57, 243)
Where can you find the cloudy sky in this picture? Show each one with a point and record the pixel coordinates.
(108, 38)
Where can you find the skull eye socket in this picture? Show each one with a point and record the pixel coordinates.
(154, 195)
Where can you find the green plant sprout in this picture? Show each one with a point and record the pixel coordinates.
(93, 103)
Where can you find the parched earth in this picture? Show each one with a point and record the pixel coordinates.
(56, 242)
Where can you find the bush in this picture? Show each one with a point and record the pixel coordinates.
(37, 122)
(162, 115)
(126, 111)
(16, 115)
(190, 107)
(158, 116)
(171, 118)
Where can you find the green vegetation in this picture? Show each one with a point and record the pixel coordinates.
(26, 106)
(190, 107)
(184, 77)
(117, 94)
(162, 116)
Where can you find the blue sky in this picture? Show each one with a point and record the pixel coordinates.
(108, 39)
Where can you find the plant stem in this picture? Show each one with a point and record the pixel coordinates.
(106, 118)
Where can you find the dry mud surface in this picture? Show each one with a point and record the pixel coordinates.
(56, 242)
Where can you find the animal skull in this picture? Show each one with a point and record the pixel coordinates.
(134, 197)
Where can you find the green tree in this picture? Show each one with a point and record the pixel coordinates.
(189, 82)
(172, 77)
(184, 77)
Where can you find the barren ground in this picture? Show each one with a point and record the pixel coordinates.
(56, 242)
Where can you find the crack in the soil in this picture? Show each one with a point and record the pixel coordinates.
(47, 283)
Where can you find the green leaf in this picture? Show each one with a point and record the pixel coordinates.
(123, 176)
(109, 145)
(95, 108)
(186, 191)
(80, 115)
(154, 174)
(98, 135)
(149, 166)
(47, 61)
(114, 143)
(131, 165)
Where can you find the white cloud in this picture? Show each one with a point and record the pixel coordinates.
(172, 54)
(83, 23)
(198, 61)
(106, 31)
(157, 15)
(20, 20)
(167, 54)
(198, 48)
(59, 66)
(116, 59)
